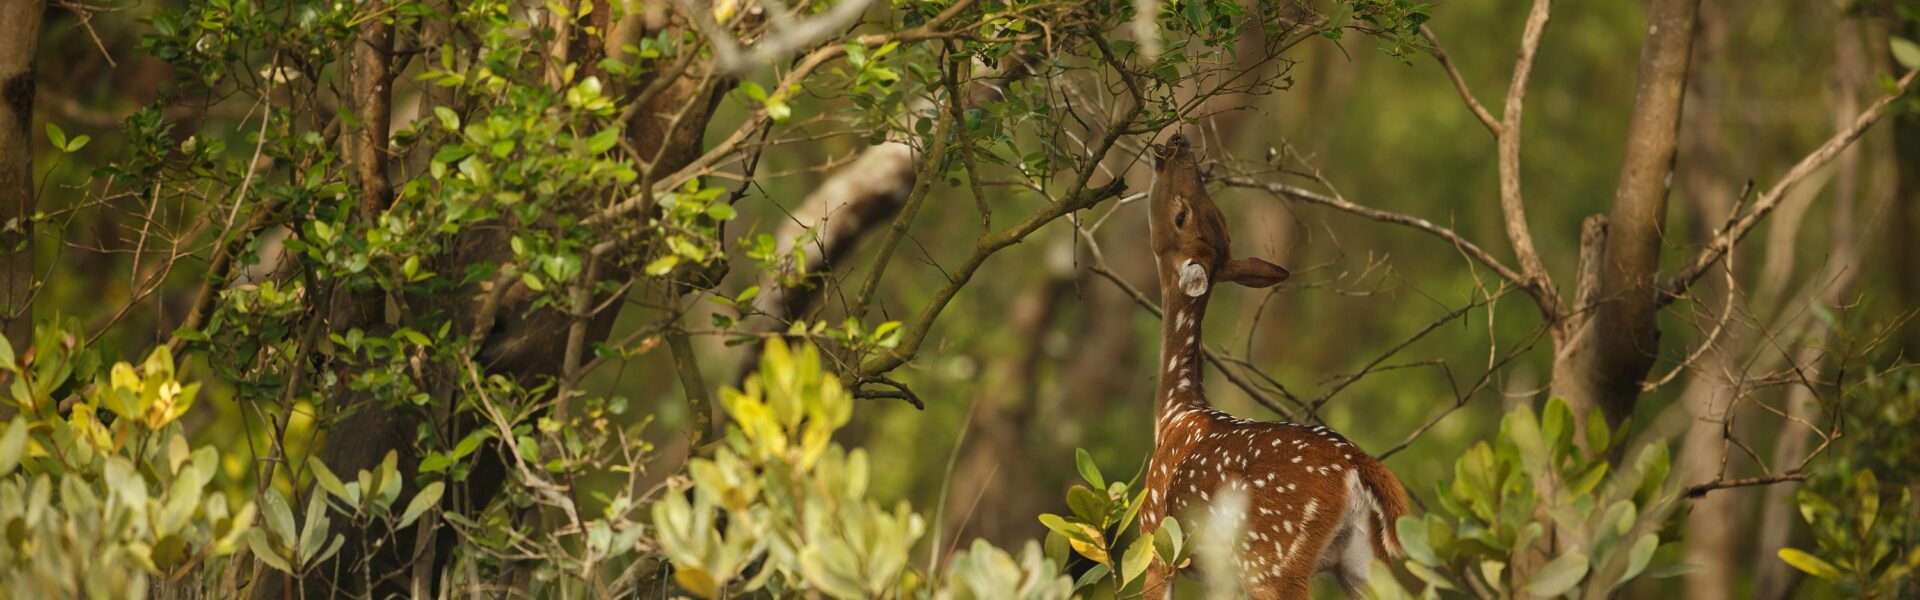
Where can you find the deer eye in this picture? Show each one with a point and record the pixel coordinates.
(1180, 220)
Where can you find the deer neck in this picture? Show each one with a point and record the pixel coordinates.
(1181, 373)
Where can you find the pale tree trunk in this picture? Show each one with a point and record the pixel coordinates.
(1711, 535)
(1606, 361)
(19, 37)
(1832, 285)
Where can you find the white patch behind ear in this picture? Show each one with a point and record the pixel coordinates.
(1193, 279)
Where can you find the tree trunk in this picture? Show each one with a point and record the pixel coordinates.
(19, 38)
(1831, 285)
(1712, 533)
(1614, 354)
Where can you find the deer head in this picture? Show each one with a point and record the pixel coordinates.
(1189, 236)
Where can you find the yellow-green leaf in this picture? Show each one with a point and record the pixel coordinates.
(1812, 565)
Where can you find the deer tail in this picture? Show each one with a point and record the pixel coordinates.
(1389, 504)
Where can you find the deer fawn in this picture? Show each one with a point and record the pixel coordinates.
(1314, 502)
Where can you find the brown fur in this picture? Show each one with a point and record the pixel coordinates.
(1315, 501)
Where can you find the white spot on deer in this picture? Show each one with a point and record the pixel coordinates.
(1296, 460)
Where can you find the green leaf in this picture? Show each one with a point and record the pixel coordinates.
(57, 136)
(78, 142)
(1085, 504)
(1413, 538)
(327, 480)
(1638, 557)
(257, 540)
(1673, 570)
(1088, 470)
(13, 444)
(603, 141)
(1558, 576)
(427, 498)
(1597, 434)
(435, 462)
(1062, 527)
(1092, 576)
(1906, 52)
(1135, 560)
(663, 265)
(1867, 488)
(279, 518)
(754, 91)
(1812, 565)
(448, 120)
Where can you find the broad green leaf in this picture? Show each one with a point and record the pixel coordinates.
(327, 480)
(1906, 52)
(279, 518)
(1413, 538)
(1559, 575)
(13, 445)
(1135, 560)
(57, 136)
(1597, 434)
(1092, 576)
(1088, 470)
(257, 540)
(427, 498)
(448, 119)
(1638, 556)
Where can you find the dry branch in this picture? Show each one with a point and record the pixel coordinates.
(1716, 249)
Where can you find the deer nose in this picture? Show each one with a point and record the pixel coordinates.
(1179, 139)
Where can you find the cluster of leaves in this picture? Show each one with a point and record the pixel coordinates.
(1866, 529)
(1394, 24)
(779, 507)
(112, 483)
(1102, 516)
(1533, 492)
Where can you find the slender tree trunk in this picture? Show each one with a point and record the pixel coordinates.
(1614, 354)
(19, 38)
(1831, 285)
(1712, 535)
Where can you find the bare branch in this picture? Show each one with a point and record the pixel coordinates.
(1512, 204)
(1696, 491)
(1336, 201)
(1718, 247)
(1460, 83)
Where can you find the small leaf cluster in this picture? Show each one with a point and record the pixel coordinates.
(779, 508)
(1102, 513)
(114, 482)
(1858, 500)
(1535, 491)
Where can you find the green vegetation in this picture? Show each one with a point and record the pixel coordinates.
(851, 298)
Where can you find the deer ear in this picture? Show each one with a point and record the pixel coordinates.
(1253, 272)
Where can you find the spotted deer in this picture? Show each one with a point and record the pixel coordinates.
(1314, 501)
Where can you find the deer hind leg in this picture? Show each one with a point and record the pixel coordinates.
(1350, 555)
